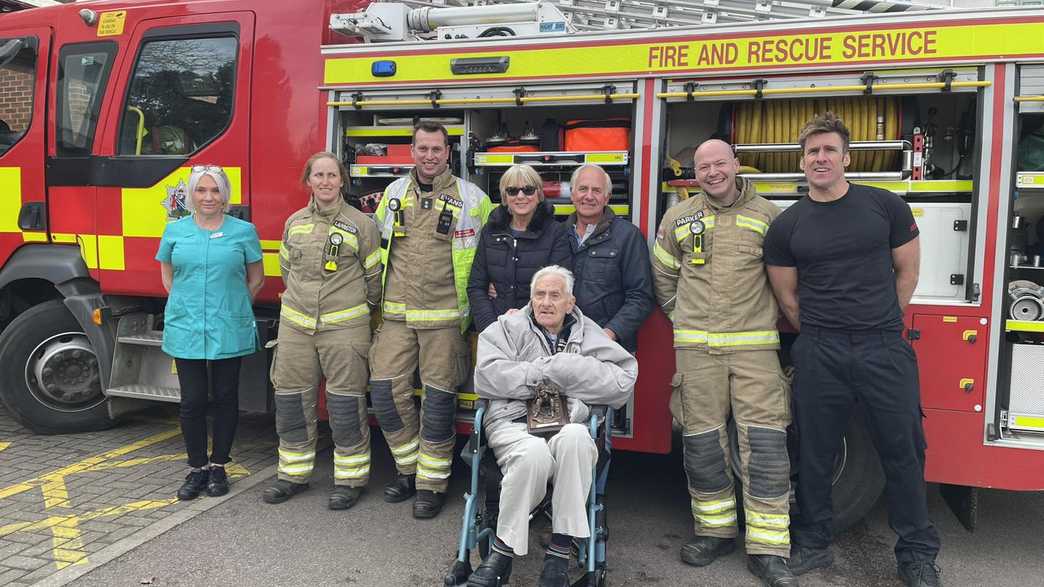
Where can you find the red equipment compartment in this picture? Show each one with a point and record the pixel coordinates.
(598, 135)
(396, 155)
(951, 357)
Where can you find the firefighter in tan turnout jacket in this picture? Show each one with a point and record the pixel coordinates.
(711, 282)
(330, 263)
(429, 226)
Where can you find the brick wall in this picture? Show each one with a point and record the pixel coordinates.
(16, 98)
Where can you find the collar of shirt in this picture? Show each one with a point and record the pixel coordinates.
(580, 238)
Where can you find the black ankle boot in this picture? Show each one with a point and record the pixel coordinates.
(493, 572)
(555, 572)
(703, 550)
(343, 497)
(282, 490)
(428, 504)
(401, 489)
(195, 483)
(772, 570)
(217, 485)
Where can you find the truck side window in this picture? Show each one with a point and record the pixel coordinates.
(83, 71)
(180, 96)
(17, 82)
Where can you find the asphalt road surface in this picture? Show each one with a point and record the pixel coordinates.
(244, 541)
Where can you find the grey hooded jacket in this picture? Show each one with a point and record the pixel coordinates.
(514, 357)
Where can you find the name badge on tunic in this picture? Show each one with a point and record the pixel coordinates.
(217, 235)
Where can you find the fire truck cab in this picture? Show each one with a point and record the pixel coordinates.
(107, 105)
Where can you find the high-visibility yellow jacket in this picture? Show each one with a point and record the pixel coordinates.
(709, 273)
(428, 242)
(330, 261)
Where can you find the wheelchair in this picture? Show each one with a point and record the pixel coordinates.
(482, 503)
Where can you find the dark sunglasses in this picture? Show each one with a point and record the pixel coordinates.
(513, 191)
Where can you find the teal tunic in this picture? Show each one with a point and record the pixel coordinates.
(209, 314)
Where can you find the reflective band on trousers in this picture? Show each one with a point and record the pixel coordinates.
(353, 467)
(669, 260)
(345, 315)
(752, 224)
(719, 513)
(296, 463)
(302, 320)
(432, 315)
(770, 537)
(406, 454)
(394, 308)
(725, 339)
(432, 468)
(768, 520)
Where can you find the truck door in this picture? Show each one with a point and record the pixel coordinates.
(23, 93)
(182, 100)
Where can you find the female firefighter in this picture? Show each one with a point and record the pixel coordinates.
(331, 265)
(211, 267)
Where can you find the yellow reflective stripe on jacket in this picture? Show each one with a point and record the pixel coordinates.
(284, 254)
(345, 315)
(781, 521)
(682, 232)
(669, 260)
(349, 238)
(298, 318)
(372, 259)
(769, 537)
(432, 315)
(726, 339)
(301, 229)
(752, 224)
(394, 308)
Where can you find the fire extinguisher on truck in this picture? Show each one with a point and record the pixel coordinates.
(108, 104)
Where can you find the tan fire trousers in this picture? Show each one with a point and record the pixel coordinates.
(301, 361)
(421, 443)
(749, 385)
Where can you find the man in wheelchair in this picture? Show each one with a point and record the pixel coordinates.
(541, 367)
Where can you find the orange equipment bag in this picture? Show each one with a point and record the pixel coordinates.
(513, 149)
(598, 135)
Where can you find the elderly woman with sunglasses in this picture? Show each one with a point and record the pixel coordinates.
(520, 238)
(210, 264)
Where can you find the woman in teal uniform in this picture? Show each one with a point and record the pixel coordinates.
(211, 267)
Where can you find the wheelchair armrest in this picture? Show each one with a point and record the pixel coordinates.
(475, 441)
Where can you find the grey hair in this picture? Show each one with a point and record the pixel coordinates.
(605, 177)
(216, 173)
(565, 274)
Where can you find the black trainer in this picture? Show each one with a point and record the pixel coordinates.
(218, 483)
(493, 572)
(920, 574)
(703, 550)
(343, 497)
(282, 490)
(428, 504)
(772, 570)
(401, 489)
(555, 572)
(803, 559)
(195, 483)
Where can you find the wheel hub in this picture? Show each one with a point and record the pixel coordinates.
(63, 371)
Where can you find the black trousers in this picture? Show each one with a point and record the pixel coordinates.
(199, 379)
(834, 369)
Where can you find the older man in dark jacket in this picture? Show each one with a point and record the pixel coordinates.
(610, 260)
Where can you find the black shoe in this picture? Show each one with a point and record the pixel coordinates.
(343, 497)
(555, 572)
(282, 490)
(428, 504)
(920, 574)
(772, 570)
(493, 572)
(803, 559)
(703, 550)
(403, 488)
(195, 483)
(218, 483)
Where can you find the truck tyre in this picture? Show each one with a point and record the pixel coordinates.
(858, 478)
(49, 376)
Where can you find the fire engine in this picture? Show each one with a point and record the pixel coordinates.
(107, 104)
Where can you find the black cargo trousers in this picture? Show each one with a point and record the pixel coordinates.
(833, 370)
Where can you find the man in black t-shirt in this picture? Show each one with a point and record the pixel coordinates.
(843, 263)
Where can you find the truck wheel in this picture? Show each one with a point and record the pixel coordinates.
(858, 478)
(49, 376)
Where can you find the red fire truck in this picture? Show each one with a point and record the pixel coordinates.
(106, 105)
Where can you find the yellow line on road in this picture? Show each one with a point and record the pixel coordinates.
(83, 465)
(74, 521)
(4, 445)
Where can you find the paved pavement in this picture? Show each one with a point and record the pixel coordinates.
(67, 500)
(240, 540)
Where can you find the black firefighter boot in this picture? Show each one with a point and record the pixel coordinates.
(772, 570)
(703, 550)
(401, 489)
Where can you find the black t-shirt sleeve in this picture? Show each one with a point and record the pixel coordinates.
(903, 226)
(777, 242)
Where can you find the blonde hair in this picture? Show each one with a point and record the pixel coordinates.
(220, 179)
(525, 175)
